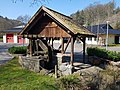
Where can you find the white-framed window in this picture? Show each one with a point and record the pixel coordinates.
(95, 39)
(89, 38)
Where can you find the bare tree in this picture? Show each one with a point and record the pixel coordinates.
(95, 13)
(32, 1)
(24, 19)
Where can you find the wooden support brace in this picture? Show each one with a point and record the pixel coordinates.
(59, 47)
(67, 44)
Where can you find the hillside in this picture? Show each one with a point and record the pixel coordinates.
(6, 23)
(98, 14)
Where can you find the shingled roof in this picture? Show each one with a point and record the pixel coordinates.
(13, 30)
(103, 29)
(64, 20)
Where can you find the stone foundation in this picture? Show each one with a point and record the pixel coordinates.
(64, 68)
(38, 64)
(31, 63)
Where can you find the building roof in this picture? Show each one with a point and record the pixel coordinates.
(102, 29)
(65, 21)
(16, 29)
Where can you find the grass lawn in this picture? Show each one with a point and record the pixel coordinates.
(13, 77)
(1, 39)
(114, 45)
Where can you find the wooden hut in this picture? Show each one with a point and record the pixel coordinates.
(47, 25)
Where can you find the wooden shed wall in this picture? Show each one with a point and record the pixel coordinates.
(52, 30)
(46, 27)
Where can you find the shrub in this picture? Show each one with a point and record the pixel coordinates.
(105, 54)
(17, 50)
(71, 82)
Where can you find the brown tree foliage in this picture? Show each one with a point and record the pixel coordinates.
(95, 13)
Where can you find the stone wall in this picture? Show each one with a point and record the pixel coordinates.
(32, 63)
(64, 68)
(38, 65)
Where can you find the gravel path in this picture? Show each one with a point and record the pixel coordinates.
(4, 55)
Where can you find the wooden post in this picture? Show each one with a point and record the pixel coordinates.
(49, 40)
(23, 40)
(84, 49)
(72, 51)
(33, 46)
(36, 43)
(55, 71)
(30, 40)
(52, 41)
(67, 45)
(62, 45)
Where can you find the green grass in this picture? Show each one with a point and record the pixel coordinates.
(114, 45)
(1, 39)
(13, 77)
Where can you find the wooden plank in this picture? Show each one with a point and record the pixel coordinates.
(44, 35)
(53, 31)
(66, 54)
(40, 52)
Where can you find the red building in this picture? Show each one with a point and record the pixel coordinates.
(11, 35)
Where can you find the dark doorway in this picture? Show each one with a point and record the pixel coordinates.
(116, 39)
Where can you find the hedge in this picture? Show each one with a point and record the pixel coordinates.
(105, 54)
(17, 50)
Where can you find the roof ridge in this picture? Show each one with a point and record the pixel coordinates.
(66, 17)
(58, 12)
(65, 21)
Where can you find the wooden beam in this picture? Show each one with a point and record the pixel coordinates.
(59, 47)
(31, 52)
(32, 22)
(33, 46)
(40, 36)
(67, 44)
(36, 44)
(72, 51)
(62, 45)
